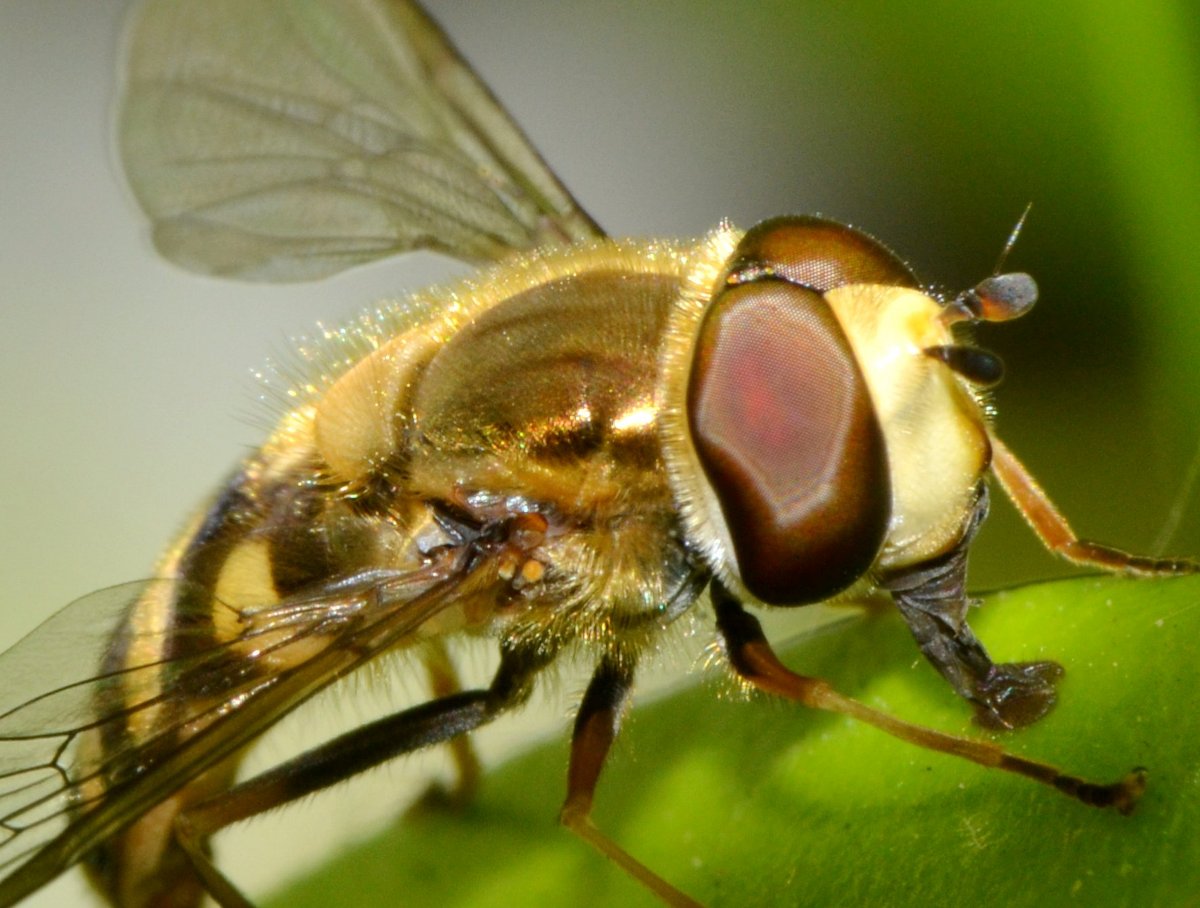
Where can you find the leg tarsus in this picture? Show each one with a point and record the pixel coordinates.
(578, 820)
(1096, 554)
(753, 659)
(1051, 527)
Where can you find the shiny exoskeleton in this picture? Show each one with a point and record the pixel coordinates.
(563, 453)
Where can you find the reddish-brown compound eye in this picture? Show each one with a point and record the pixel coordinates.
(788, 438)
(816, 253)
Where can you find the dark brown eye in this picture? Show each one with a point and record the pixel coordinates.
(816, 253)
(788, 438)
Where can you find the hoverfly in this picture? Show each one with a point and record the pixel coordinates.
(564, 453)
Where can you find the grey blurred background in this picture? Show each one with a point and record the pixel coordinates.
(125, 389)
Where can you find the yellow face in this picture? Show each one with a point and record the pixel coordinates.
(932, 421)
(558, 453)
(814, 432)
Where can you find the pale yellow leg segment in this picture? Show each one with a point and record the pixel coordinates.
(443, 682)
(222, 891)
(577, 818)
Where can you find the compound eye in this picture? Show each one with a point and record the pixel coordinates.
(816, 253)
(788, 438)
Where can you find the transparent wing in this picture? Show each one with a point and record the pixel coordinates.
(58, 801)
(286, 140)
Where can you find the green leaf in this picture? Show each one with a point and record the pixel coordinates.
(763, 803)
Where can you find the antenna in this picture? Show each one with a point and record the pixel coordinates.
(1012, 239)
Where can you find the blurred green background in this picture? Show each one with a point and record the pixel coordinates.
(124, 384)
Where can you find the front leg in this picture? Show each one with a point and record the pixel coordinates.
(1056, 534)
(933, 599)
(752, 659)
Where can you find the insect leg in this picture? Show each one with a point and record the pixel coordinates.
(596, 727)
(1056, 534)
(443, 682)
(346, 755)
(753, 659)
